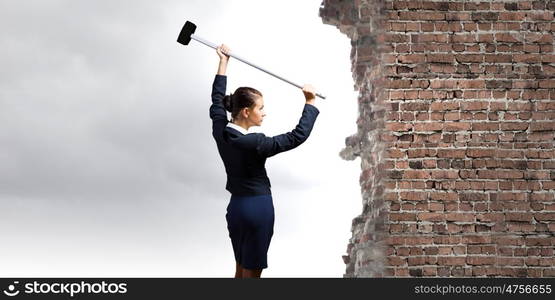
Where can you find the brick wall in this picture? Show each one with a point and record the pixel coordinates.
(455, 136)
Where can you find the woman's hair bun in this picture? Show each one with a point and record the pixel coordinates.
(228, 102)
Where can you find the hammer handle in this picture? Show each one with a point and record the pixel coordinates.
(209, 44)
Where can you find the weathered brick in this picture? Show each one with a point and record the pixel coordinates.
(411, 58)
(472, 152)
(481, 260)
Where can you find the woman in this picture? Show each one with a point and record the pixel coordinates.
(250, 213)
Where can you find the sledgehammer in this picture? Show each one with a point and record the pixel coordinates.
(187, 33)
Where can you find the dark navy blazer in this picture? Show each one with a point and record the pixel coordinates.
(244, 156)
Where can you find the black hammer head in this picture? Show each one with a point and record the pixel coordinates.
(185, 34)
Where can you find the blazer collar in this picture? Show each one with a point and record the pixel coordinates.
(238, 128)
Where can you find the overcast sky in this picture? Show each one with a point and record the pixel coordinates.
(107, 163)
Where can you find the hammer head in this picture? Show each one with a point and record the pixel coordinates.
(185, 34)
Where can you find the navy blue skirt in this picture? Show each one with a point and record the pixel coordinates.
(250, 222)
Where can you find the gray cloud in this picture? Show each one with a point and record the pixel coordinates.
(84, 107)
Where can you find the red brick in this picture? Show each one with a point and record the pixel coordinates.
(480, 260)
(451, 261)
(456, 126)
(498, 58)
(480, 152)
(460, 217)
(505, 37)
(402, 216)
(396, 261)
(520, 217)
(476, 239)
(469, 58)
(446, 196)
(413, 174)
(411, 58)
(431, 217)
(444, 174)
(527, 58)
(451, 153)
(437, 126)
(444, 106)
(398, 126)
(542, 126)
(412, 196)
(475, 105)
(440, 58)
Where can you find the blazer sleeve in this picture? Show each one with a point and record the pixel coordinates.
(270, 146)
(218, 114)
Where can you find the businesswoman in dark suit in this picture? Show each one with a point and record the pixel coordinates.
(250, 213)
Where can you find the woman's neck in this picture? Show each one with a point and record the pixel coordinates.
(241, 123)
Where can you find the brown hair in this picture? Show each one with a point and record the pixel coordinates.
(241, 98)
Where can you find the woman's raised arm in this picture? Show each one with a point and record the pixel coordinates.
(224, 58)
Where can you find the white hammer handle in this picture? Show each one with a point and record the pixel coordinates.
(209, 44)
